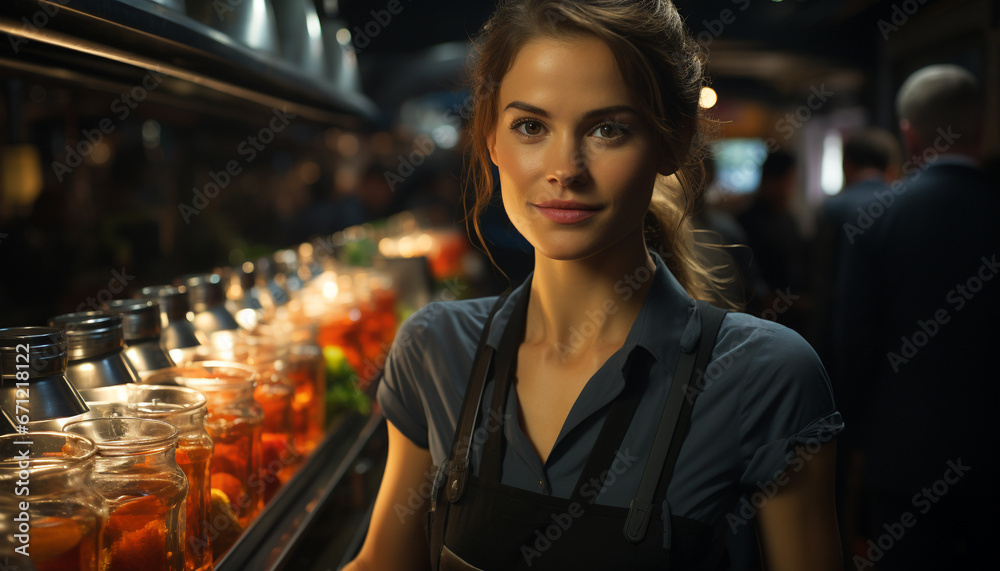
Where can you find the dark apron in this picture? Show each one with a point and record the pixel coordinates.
(475, 522)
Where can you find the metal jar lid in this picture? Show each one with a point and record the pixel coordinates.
(140, 318)
(173, 300)
(245, 276)
(46, 351)
(50, 394)
(204, 291)
(90, 333)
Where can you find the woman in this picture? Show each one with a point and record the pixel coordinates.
(555, 442)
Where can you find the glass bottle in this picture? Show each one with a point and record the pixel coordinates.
(50, 507)
(96, 349)
(137, 474)
(185, 410)
(141, 328)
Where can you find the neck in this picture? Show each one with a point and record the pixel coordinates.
(580, 305)
(919, 159)
(867, 173)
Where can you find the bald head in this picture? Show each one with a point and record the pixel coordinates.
(941, 97)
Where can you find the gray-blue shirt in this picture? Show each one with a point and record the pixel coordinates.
(764, 405)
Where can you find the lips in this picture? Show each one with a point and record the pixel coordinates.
(566, 211)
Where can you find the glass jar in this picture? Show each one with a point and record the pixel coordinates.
(276, 393)
(234, 422)
(185, 410)
(33, 382)
(141, 328)
(137, 474)
(52, 512)
(356, 336)
(305, 368)
(96, 349)
(279, 457)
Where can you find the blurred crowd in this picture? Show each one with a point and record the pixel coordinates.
(894, 291)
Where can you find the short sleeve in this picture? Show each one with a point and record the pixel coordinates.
(399, 392)
(786, 402)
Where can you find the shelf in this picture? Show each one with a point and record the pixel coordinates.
(111, 44)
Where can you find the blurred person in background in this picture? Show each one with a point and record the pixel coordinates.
(742, 280)
(776, 242)
(918, 337)
(871, 160)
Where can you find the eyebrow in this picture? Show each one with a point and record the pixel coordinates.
(528, 108)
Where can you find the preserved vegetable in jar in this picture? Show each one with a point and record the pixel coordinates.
(137, 474)
(235, 422)
(64, 521)
(185, 410)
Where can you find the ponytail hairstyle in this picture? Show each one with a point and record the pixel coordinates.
(662, 66)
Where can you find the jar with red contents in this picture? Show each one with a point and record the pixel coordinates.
(305, 368)
(234, 422)
(51, 510)
(185, 410)
(275, 393)
(279, 455)
(295, 367)
(146, 491)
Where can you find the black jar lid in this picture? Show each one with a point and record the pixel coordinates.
(90, 333)
(140, 318)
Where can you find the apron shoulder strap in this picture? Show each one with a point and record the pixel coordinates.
(458, 458)
(672, 429)
(461, 447)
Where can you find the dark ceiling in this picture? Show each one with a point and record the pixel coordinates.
(764, 50)
(841, 29)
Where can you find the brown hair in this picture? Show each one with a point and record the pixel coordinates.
(662, 66)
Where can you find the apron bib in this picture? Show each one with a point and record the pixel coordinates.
(477, 523)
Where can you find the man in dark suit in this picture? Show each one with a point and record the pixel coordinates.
(918, 336)
(871, 158)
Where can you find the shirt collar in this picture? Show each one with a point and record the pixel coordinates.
(954, 159)
(665, 321)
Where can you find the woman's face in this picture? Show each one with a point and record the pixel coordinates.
(577, 164)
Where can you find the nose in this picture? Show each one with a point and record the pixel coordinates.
(567, 164)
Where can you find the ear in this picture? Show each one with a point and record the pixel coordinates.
(911, 139)
(491, 144)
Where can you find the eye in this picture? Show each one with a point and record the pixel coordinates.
(610, 131)
(527, 127)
